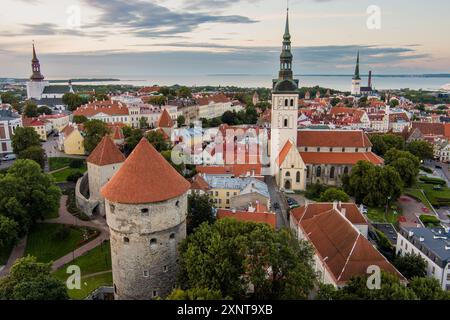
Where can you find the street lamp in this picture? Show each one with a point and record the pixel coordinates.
(387, 205)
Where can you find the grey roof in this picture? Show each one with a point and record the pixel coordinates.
(8, 115)
(56, 89)
(227, 182)
(50, 102)
(436, 242)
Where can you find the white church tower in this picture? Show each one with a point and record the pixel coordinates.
(284, 103)
(36, 84)
(356, 80)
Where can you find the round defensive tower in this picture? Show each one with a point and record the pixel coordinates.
(146, 210)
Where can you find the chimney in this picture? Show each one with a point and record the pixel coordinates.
(410, 233)
(421, 239)
(369, 84)
(335, 205)
(344, 212)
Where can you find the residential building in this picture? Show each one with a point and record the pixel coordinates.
(9, 121)
(108, 111)
(254, 213)
(71, 141)
(38, 125)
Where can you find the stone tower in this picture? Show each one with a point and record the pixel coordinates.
(356, 80)
(102, 163)
(36, 84)
(146, 209)
(284, 102)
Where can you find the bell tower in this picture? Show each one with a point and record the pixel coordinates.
(356, 81)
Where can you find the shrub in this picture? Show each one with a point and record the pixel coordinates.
(76, 163)
(426, 169)
(315, 191)
(74, 176)
(429, 220)
(429, 180)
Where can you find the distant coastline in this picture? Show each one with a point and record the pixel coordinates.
(85, 80)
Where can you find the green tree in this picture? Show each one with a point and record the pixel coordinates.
(8, 231)
(24, 138)
(394, 103)
(383, 142)
(229, 255)
(200, 210)
(80, 119)
(421, 149)
(184, 92)
(167, 92)
(132, 139)
(411, 266)
(195, 294)
(44, 110)
(73, 100)
(181, 121)
(156, 138)
(31, 280)
(334, 194)
(143, 123)
(157, 100)
(94, 130)
(230, 118)
(428, 289)
(30, 110)
(35, 153)
(10, 98)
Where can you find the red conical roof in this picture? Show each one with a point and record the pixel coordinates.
(106, 153)
(145, 177)
(165, 121)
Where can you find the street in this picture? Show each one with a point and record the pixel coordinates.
(277, 197)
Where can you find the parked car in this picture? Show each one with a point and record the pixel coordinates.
(9, 157)
(276, 206)
(438, 167)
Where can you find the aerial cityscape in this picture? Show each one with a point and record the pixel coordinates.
(168, 165)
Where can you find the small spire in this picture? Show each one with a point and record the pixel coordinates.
(286, 29)
(357, 77)
(34, 52)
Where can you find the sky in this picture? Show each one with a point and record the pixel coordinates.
(138, 38)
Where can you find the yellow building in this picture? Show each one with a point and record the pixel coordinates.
(58, 121)
(37, 125)
(71, 141)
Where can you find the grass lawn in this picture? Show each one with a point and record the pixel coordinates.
(48, 241)
(418, 195)
(4, 254)
(58, 163)
(61, 176)
(95, 261)
(439, 197)
(377, 215)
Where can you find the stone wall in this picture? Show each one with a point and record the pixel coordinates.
(85, 204)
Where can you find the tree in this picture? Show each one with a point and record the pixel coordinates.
(230, 118)
(230, 255)
(184, 92)
(80, 119)
(405, 163)
(167, 92)
(195, 294)
(181, 121)
(334, 194)
(394, 103)
(31, 280)
(143, 123)
(24, 138)
(428, 289)
(27, 194)
(411, 266)
(73, 100)
(95, 130)
(157, 100)
(384, 142)
(156, 138)
(8, 232)
(35, 153)
(133, 136)
(200, 210)
(44, 110)
(30, 110)
(421, 149)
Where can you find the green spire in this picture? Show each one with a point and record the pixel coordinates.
(356, 76)
(286, 54)
(287, 35)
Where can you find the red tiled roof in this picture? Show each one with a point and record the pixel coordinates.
(333, 138)
(198, 183)
(32, 122)
(165, 121)
(106, 153)
(340, 157)
(284, 152)
(260, 217)
(217, 98)
(237, 170)
(308, 211)
(430, 128)
(149, 89)
(111, 108)
(68, 130)
(342, 248)
(145, 177)
(117, 134)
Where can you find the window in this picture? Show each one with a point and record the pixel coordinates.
(217, 193)
(155, 294)
(318, 149)
(297, 179)
(112, 208)
(286, 102)
(126, 240)
(177, 204)
(153, 242)
(145, 273)
(343, 149)
(288, 174)
(172, 236)
(228, 201)
(144, 211)
(346, 170)
(228, 194)
(356, 150)
(332, 172)
(319, 172)
(115, 289)
(292, 102)
(165, 268)
(306, 149)
(307, 172)
(285, 123)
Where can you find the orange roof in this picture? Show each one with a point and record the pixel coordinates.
(350, 158)
(165, 121)
(145, 177)
(260, 217)
(112, 108)
(106, 153)
(284, 152)
(217, 98)
(32, 122)
(117, 135)
(333, 138)
(198, 183)
(342, 248)
(237, 170)
(68, 130)
(352, 212)
(149, 89)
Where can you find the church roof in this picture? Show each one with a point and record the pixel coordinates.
(106, 153)
(56, 89)
(333, 138)
(145, 177)
(165, 121)
(346, 158)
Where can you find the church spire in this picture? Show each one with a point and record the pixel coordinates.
(36, 67)
(357, 76)
(286, 54)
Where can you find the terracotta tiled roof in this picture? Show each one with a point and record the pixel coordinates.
(111, 108)
(217, 98)
(165, 121)
(68, 130)
(145, 177)
(117, 134)
(237, 170)
(350, 158)
(151, 89)
(308, 211)
(32, 122)
(198, 183)
(333, 138)
(261, 217)
(106, 153)
(342, 248)
(284, 152)
(429, 128)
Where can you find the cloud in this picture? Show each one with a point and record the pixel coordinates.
(216, 4)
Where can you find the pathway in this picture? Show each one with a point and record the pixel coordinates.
(277, 197)
(17, 252)
(412, 210)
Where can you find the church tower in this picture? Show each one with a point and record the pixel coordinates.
(356, 81)
(36, 84)
(284, 102)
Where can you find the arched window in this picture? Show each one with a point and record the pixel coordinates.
(286, 102)
(297, 178)
(346, 170)
(307, 172)
(288, 174)
(292, 102)
(332, 172)
(286, 123)
(319, 172)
